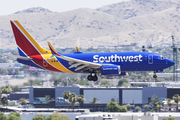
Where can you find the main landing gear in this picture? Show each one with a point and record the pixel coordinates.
(92, 77)
(154, 76)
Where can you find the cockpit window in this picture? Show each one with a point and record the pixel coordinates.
(161, 57)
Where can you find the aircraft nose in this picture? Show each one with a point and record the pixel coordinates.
(170, 62)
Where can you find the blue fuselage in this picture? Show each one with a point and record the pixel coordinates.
(128, 61)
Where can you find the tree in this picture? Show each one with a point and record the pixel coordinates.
(82, 82)
(169, 103)
(123, 109)
(80, 99)
(137, 108)
(33, 83)
(16, 89)
(122, 81)
(56, 80)
(56, 116)
(155, 100)
(2, 116)
(176, 99)
(12, 71)
(4, 101)
(48, 99)
(105, 83)
(14, 116)
(72, 99)
(6, 90)
(39, 117)
(171, 118)
(66, 95)
(22, 101)
(113, 107)
(94, 101)
(128, 106)
(147, 107)
(0, 93)
(112, 99)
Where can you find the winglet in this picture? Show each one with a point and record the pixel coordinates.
(52, 49)
(77, 49)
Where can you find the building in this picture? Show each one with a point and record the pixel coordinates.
(137, 96)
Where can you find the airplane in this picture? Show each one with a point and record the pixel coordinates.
(111, 63)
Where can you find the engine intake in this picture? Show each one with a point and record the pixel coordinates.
(110, 70)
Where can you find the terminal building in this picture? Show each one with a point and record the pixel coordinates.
(136, 96)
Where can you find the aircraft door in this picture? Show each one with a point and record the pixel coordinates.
(150, 59)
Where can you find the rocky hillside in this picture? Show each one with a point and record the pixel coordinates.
(125, 23)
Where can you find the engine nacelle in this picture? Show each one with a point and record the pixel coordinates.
(110, 70)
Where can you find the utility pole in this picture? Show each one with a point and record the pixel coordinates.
(67, 81)
(175, 59)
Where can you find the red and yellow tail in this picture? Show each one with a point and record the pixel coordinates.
(29, 48)
(25, 42)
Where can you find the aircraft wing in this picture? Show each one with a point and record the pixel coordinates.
(19, 57)
(79, 64)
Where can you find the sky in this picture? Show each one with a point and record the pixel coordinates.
(11, 6)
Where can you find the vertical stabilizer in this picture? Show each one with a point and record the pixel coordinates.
(27, 46)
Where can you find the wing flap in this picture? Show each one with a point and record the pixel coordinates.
(80, 67)
(75, 65)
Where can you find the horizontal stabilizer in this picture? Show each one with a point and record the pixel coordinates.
(19, 57)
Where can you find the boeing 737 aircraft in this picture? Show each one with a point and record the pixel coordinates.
(112, 63)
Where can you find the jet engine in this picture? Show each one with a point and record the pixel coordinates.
(110, 70)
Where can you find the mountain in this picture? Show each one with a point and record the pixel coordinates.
(136, 22)
(34, 10)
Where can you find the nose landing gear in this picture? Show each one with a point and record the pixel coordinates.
(154, 76)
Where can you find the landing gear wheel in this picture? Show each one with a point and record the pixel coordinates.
(90, 77)
(95, 78)
(154, 76)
